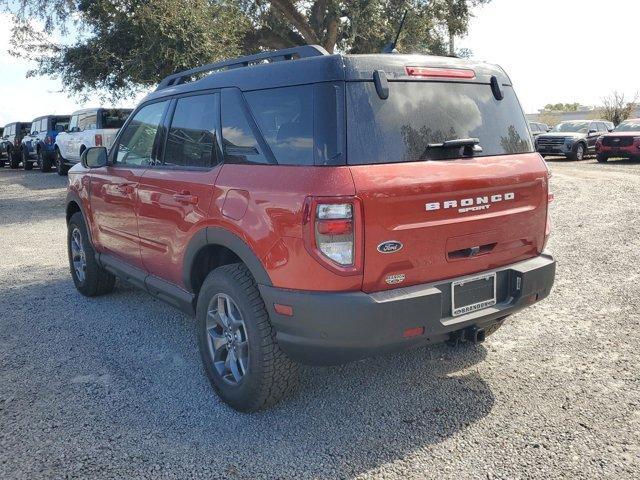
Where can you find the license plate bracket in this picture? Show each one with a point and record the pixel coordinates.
(472, 294)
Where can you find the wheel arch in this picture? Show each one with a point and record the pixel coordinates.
(213, 247)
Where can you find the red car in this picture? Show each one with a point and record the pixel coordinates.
(318, 208)
(623, 142)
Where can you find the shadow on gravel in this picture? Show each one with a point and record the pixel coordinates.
(121, 374)
(29, 210)
(33, 179)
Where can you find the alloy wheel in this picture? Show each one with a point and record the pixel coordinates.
(227, 338)
(78, 256)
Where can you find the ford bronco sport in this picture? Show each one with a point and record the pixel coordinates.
(38, 146)
(623, 142)
(318, 208)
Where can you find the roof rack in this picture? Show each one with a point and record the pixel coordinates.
(294, 53)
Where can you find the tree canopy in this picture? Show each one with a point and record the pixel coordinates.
(121, 45)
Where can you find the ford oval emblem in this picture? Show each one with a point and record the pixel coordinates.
(392, 246)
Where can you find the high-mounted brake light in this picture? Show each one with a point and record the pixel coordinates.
(98, 140)
(333, 233)
(438, 72)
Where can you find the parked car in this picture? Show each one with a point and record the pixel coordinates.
(39, 145)
(623, 142)
(538, 128)
(13, 135)
(90, 127)
(318, 208)
(573, 139)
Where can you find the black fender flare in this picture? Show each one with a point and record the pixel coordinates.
(75, 198)
(224, 238)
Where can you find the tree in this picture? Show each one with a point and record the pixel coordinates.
(561, 107)
(616, 108)
(128, 44)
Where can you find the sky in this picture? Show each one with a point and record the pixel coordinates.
(560, 50)
(553, 50)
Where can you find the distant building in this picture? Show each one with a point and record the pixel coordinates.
(584, 112)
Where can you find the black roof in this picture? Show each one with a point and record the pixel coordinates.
(312, 66)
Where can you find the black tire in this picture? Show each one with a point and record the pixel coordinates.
(45, 161)
(61, 168)
(269, 375)
(578, 152)
(2, 163)
(26, 163)
(14, 159)
(96, 281)
(602, 158)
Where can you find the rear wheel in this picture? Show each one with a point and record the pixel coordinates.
(61, 168)
(44, 159)
(89, 278)
(2, 163)
(602, 158)
(26, 163)
(238, 344)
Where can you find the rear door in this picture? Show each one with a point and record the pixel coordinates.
(434, 213)
(175, 193)
(114, 189)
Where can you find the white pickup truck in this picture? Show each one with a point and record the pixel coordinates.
(91, 127)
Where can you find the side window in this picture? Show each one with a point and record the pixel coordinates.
(73, 123)
(35, 126)
(602, 127)
(88, 121)
(135, 146)
(285, 118)
(239, 142)
(191, 141)
(594, 126)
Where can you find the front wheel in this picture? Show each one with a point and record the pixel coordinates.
(61, 168)
(14, 159)
(237, 343)
(88, 276)
(577, 153)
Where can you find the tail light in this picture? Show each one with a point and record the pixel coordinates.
(98, 140)
(48, 140)
(333, 233)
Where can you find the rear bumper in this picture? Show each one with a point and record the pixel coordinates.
(333, 328)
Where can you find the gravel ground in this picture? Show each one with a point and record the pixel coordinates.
(113, 387)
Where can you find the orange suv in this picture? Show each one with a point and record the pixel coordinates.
(318, 208)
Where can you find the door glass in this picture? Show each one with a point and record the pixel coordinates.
(192, 137)
(135, 147)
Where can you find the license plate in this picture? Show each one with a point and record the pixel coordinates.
(473, 294)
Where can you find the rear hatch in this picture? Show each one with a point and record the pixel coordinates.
(435, 210)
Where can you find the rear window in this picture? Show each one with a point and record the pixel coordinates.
(113, 118)
(419, 114)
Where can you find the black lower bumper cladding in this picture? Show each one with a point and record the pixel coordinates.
(332, 328)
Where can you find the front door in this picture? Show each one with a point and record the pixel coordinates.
(114, 189)
(174, 195)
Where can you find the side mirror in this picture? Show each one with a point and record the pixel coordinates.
(610, 130)
(94, 157)
(592, 131)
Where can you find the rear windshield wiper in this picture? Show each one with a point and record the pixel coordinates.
(470, 146)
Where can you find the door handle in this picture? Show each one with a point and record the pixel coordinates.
(126, 188)
(185, 198)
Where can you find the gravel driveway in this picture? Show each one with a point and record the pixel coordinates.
(113, 387)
